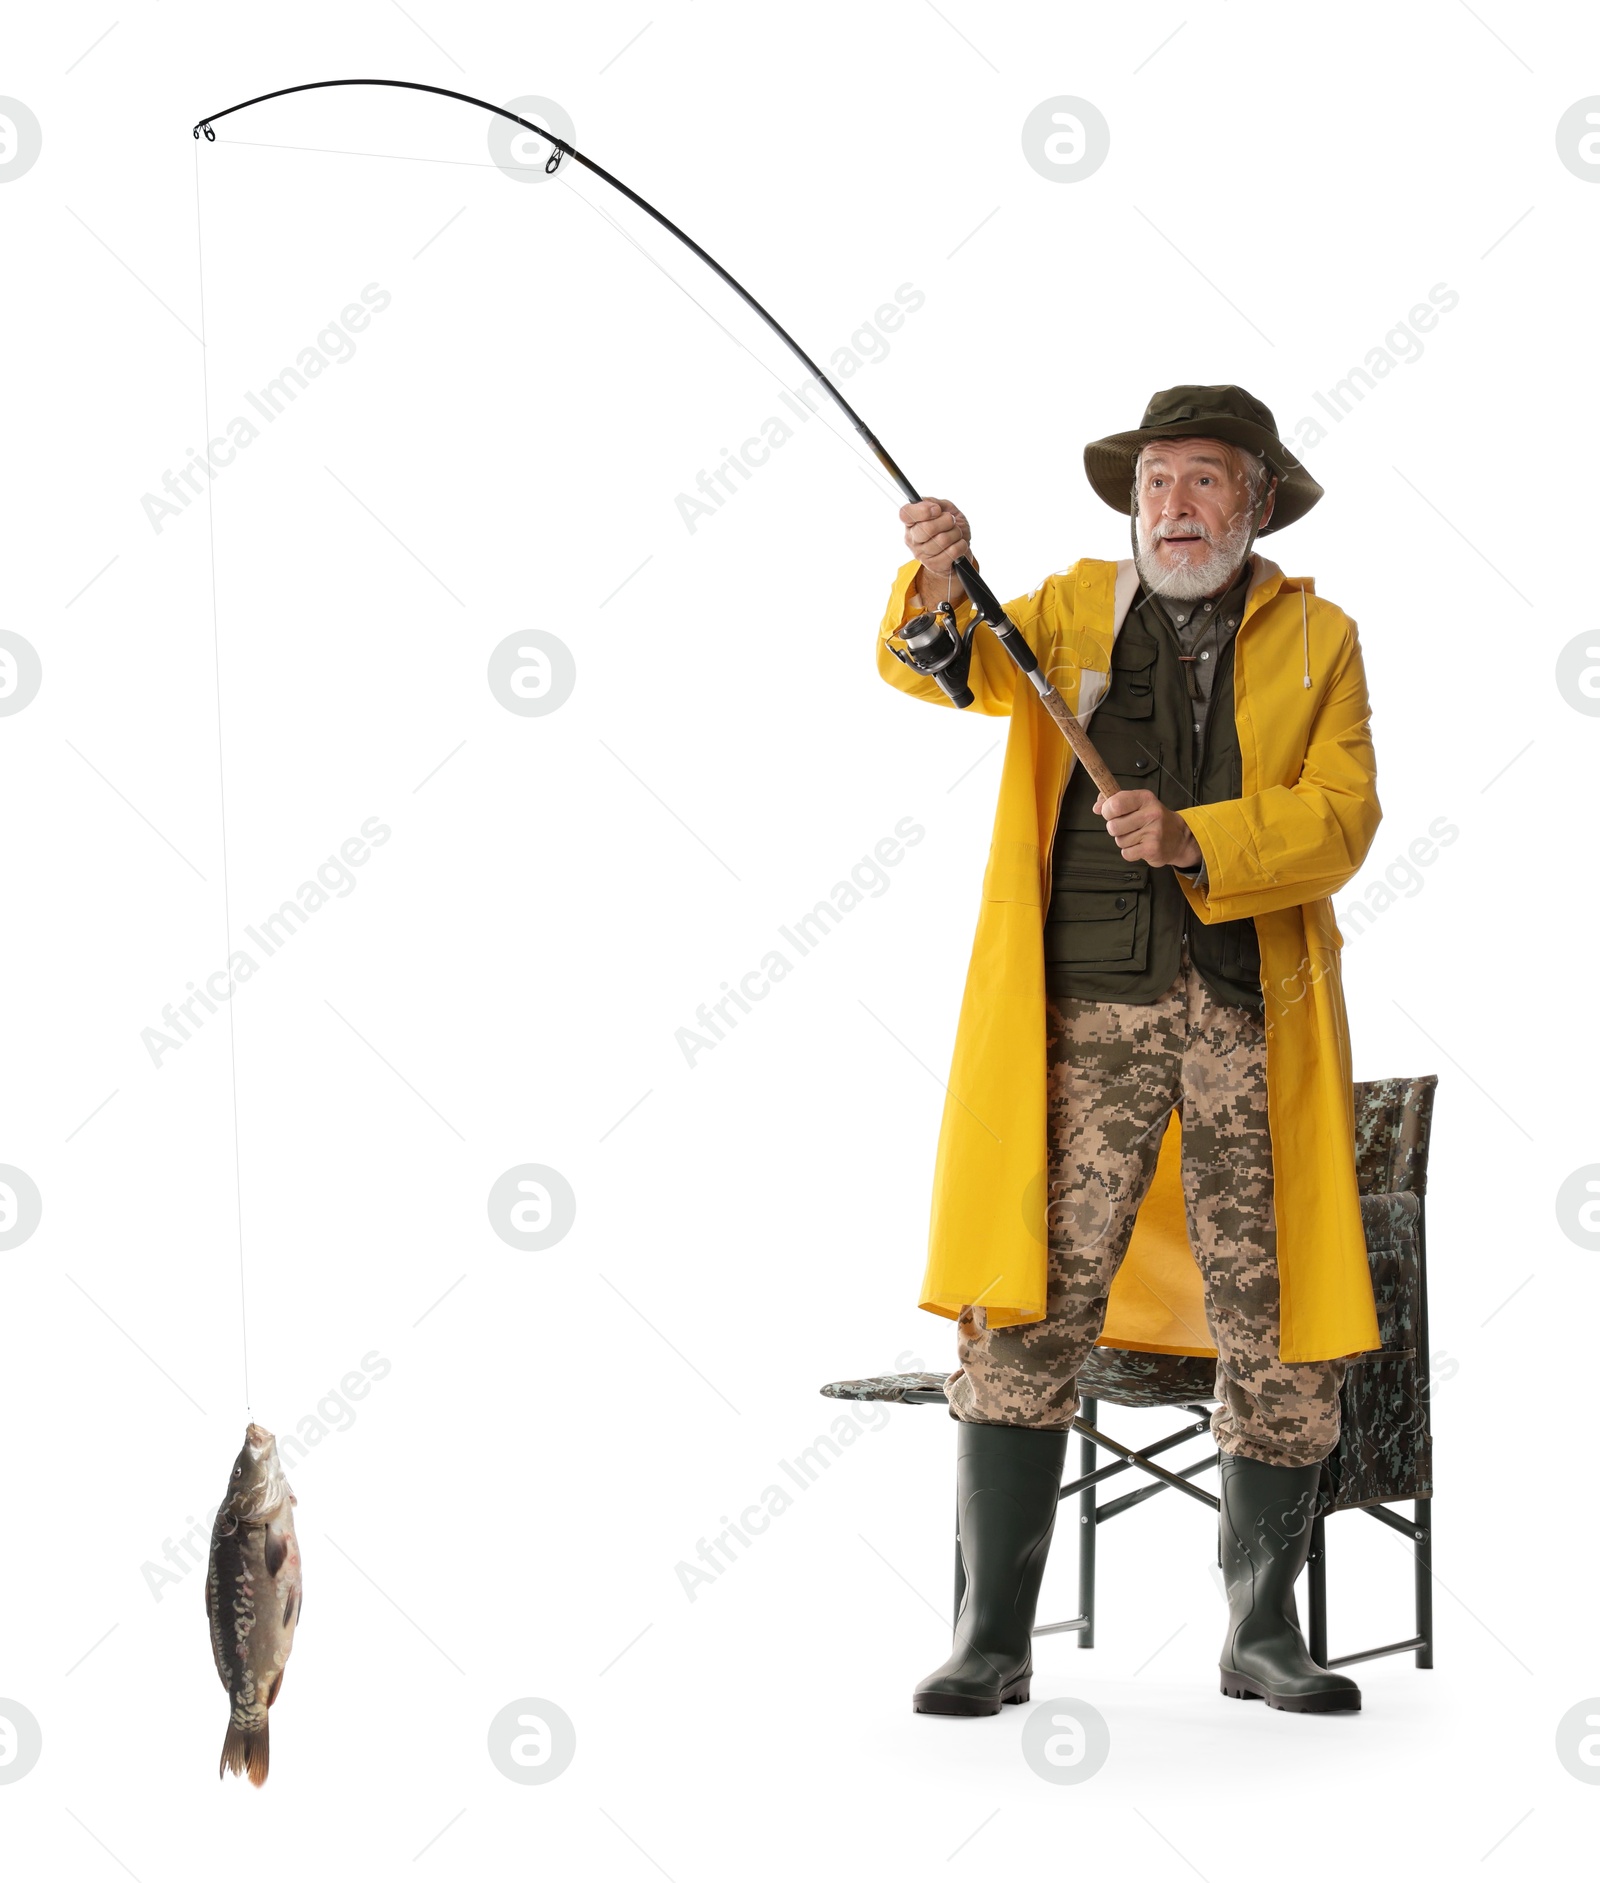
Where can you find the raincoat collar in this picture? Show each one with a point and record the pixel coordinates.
(1266, 580)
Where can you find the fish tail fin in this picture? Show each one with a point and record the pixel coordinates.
(246, 1751)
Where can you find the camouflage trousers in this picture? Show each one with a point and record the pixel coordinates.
(1116, 1071)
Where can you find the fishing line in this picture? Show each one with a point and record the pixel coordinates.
(460, 163)
(222, 793)
(932, 644)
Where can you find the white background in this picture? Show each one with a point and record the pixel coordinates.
(504, 981)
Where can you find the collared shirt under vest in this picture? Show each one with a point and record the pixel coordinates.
(1116, 930)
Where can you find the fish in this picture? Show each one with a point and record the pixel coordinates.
(253, 1598)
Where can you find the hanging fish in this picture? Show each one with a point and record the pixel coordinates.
(253, 1597)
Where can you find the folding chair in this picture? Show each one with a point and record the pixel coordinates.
(1385, 1450)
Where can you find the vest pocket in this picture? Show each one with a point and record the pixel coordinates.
(1099, 917)
(1132, 691)
(1136, 764)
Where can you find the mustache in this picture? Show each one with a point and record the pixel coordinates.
(1164, 530)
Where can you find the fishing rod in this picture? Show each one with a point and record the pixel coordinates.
(931, 644)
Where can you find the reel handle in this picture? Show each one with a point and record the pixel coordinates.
(932, 644)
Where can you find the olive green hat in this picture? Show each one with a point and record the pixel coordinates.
(1225, 412)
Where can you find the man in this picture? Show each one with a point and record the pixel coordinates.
(1152, 1059)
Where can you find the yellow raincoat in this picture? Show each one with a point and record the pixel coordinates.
(1299, 832)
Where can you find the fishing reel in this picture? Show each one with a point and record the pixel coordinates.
(935, 646)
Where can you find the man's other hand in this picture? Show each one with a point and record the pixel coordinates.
(1145, 830)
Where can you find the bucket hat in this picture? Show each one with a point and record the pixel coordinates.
(1225, 412)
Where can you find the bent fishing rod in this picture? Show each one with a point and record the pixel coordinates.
(931, 644)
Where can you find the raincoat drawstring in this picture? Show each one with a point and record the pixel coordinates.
(1305, 639)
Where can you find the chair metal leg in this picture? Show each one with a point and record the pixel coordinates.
(1423, 1507)
(1087, 1526)
(1317, 1594)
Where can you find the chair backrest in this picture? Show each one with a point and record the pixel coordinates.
(1394, 1118)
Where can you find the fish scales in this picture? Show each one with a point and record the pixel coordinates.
(253, 1594)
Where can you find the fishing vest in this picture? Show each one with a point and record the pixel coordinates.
(1116, 930)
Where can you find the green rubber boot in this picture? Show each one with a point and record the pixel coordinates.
(1008, 1478)
(1265, 1529)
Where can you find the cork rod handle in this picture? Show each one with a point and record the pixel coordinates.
(1082, 745)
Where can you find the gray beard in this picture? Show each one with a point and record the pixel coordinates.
(1208, 577)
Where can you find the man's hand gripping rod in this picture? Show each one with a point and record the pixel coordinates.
(933, 645)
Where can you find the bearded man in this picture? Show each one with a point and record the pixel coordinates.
(1152, 1059)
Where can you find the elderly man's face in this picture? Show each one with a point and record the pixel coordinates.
(1194, 516)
